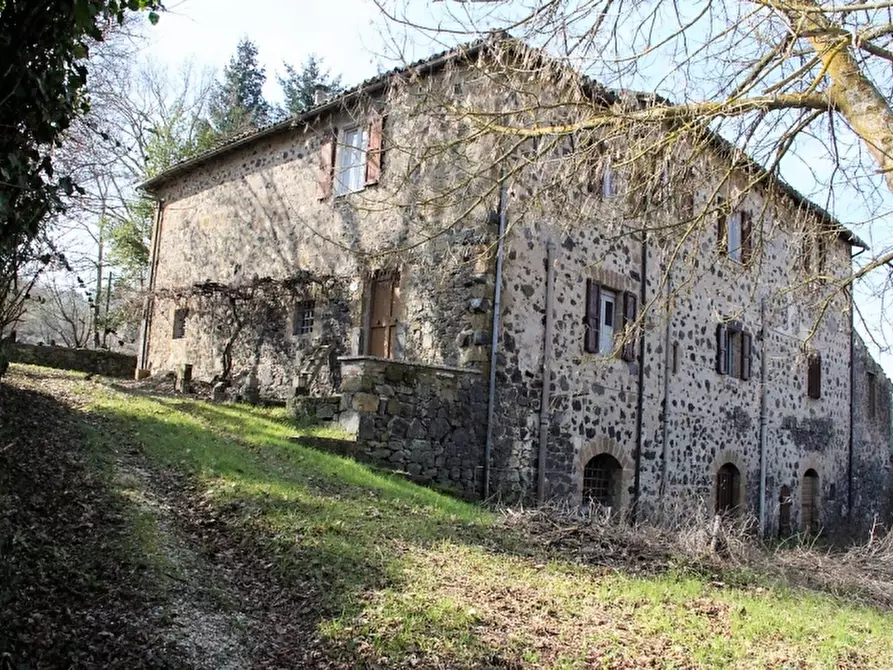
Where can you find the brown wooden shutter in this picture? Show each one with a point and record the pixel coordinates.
(746, 346)
(628, 352)
(814, 377)
(593, 323)
(806, 253)
(325, 177)
(746, 238)
(374, 148)
(722, 362)
(722, 233)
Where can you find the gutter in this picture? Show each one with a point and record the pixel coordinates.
(547, 374)
(640, 402)
(494, 336)
(852, 444)
(668, 367)
(764, 401)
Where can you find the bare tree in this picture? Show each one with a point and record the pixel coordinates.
(778, 88)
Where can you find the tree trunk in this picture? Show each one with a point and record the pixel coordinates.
(852, 93)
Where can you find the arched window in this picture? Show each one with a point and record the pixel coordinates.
(784, 511)
(728, 489)
(809, 501)
(601, 481)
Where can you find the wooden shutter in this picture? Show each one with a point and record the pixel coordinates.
(383, 314)
(722, 233)
(325, 177)
(592, 320)
(722, 342)
(628, 352)
(746, 346)
(374, 148)
(746, 238)
(814, 377)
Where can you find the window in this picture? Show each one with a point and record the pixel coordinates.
(733, 351)
(603, 320)
(353, 161)
(728, 489)
(608, 185)
(872, 395)
(351, 172)
(304, 316)
(809, 502)
(607, 316)
(814, 376)
(180, 315)
(602, 481)
(734, 234)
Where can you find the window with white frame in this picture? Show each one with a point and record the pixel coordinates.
(350, 174)
(609, 313)
(607, 180)
(607, 318)
(734, 237)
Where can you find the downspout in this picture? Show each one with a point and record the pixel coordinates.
(494, 339)
(150, 301)
(764, 400)
(640, 434)
(852, 445)
(547, 374)
(668, 368)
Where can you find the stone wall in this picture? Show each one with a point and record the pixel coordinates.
(423, 420)
(99, 362)
(253, 216)
(872, 478)
(693, 419)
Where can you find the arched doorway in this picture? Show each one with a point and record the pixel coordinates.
(809, 505)
(784, 511)
(602, 481)
(728, 489)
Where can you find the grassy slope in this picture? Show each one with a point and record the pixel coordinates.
(401, 574)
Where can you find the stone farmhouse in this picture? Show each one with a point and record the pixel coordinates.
(487, 312)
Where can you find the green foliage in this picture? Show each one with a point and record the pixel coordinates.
(299, 86)
(43, 48)
(238, 103)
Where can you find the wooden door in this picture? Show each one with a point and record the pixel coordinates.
(382, 315)
(784, 511)
(809, 503)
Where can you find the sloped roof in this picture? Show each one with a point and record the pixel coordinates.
(465, 51)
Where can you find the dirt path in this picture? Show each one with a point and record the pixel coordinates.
(107, 561)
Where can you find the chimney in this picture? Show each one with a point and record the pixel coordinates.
(320, 94)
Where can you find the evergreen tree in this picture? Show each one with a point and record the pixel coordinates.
(238, 103)
(299, 86)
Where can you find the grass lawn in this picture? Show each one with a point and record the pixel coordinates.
(393, 574)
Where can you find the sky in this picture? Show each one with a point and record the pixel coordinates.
(354, 41)
(342, 32)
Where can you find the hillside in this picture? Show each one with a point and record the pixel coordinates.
(146, 530)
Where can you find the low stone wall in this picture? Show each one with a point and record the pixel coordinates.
(95, 361)
(426, 421)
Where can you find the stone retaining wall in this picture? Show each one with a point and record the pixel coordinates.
(94, 361)
(426, 421)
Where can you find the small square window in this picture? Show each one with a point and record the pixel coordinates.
(305, 312)
(180, 316)
(350, 175)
